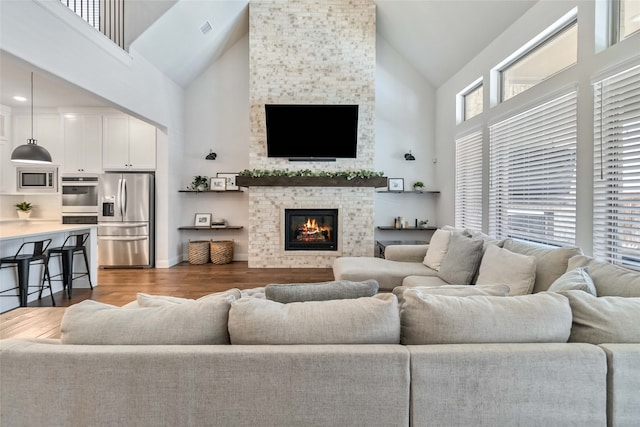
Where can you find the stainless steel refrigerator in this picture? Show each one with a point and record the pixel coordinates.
(126, 220)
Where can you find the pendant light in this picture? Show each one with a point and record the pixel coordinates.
(31, 152)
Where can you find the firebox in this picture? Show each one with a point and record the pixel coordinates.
(311, 230)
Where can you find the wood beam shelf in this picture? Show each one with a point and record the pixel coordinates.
(310, 181)
(226, 227)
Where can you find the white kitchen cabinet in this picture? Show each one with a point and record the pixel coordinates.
(47, 130)
(82, 143)
(128, 144)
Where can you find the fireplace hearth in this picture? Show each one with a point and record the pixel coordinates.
(311, 230)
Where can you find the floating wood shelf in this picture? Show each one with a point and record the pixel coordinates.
(310, 181)
(408, 192)
(210, 191)
(226, 227)
(392, 228)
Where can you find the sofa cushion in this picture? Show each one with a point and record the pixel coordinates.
(438, 246)
(453, 290)
(551, 262)
(502, 266)
(460, 263)
(430, 281)
(195, 322)
(599, 320)
(146, 300)
(341, 289)
(369, 320)
(440, 319)
(389, 274)
(609, 279)
(577, 279)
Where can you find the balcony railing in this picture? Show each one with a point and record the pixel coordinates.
(106, 16)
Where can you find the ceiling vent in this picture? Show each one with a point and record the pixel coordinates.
(206, 27)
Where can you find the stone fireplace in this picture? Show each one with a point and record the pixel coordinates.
(311, 52)
(311, 229)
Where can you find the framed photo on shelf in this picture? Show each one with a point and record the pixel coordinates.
(203, 220)
(396, 184)
(218, 184)
(230, 180)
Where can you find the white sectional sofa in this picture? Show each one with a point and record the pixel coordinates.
(341, 354)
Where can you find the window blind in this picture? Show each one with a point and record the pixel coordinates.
(532, 176)
(616, 211)
(469, 181)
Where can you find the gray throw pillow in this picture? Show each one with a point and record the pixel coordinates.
(461, 262)
(577, 279)
(342, 289)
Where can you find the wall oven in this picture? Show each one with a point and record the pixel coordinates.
(80, 199)
(38, 179)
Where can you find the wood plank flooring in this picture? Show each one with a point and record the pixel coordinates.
(119, 287)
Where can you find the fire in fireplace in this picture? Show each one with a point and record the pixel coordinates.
(311, 229)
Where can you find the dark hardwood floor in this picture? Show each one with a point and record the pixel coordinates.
(119, 287)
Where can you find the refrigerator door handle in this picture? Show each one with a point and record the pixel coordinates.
(124, 197)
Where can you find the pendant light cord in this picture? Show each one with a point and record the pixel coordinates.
(32, 106)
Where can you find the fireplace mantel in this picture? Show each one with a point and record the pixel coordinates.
(310, 181)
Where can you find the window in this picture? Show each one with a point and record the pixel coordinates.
(616, 212)
(532, 176)
(626, 18)
(552, 55)
(469, 181)
(473, 102)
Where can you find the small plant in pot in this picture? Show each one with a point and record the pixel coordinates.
(200, 183)
(418, 186)
(24, 210)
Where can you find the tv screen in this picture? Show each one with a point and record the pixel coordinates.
(302, 132)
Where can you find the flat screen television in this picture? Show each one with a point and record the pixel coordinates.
(312, 132)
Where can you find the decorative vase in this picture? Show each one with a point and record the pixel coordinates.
(24, 214)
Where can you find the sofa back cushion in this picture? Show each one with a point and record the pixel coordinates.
(439, 319)
(460, 264)
(192, 322)
(453, 290)
(147, 300)
(609, 279)
(341, 289)
(551, 262)
(502, 266)
(372, 320)
(598, 320)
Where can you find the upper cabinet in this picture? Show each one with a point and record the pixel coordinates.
(82, 143)
(128, 144)
(47, 130)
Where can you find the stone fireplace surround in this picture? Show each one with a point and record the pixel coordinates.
(311, 52)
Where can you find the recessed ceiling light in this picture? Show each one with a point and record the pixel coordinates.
(206, 27)
(20, 98)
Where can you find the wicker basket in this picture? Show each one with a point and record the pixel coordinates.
(221, 251)
(198, 252)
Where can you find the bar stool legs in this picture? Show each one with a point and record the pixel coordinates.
(23, 262)
(66, 252)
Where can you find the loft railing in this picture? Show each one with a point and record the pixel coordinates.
(106, 16)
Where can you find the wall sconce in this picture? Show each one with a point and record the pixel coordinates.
(409, 156)
(211, 155)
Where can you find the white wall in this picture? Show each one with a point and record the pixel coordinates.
(591, 64)
(405, 120)
(217, 118)
(47, 35)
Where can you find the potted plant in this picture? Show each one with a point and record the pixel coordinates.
(24, 210)
(418, 186)
(200, 183)
(423, 223)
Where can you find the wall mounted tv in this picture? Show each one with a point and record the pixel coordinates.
(312, 132)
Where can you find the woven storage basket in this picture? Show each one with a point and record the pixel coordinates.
(199, 252)
(221, 251)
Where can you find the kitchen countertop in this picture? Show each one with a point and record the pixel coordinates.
(14, 229)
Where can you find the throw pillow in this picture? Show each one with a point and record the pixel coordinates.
(460, 263)
(191, 323)
(369, 320)
(502, 266)
(609, 279)
(438, 246)
(440, 319)
(577, 279)
(453, 290)
(598, 320)
(342, 289)
(146, 300)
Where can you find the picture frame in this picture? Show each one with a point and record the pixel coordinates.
(218, 184)
(230, 177)
(396, 184)
(202, 220)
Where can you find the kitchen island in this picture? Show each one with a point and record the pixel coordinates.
(13, 233)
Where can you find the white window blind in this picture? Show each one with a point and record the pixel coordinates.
(616, 212)
(532, 190)
(469, 181)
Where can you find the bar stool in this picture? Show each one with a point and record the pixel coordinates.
(23, 261)
(73, 244)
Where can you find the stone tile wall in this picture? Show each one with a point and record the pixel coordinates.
(311, 52)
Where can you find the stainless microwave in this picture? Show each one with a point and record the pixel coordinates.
(39, 179)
